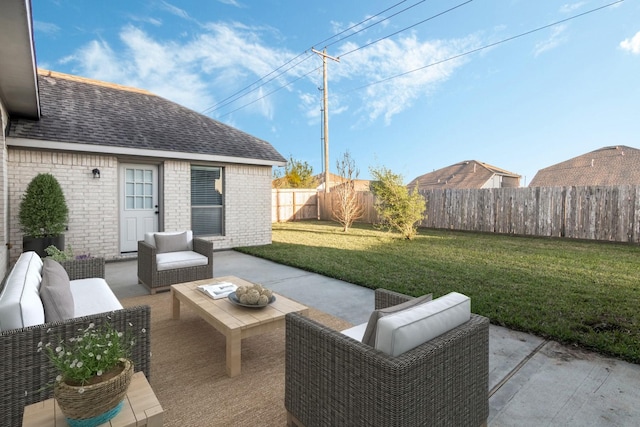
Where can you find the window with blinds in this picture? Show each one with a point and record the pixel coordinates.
(207, 201)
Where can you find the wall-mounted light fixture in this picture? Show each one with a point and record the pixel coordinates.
(96, 173)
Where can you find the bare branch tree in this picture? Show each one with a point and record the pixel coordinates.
(346, 209)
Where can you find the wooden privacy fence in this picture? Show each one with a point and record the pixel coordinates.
(594, 213)
(293, 204)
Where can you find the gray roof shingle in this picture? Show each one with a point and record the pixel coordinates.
(615, 165)
(80, 110)
(466, 174)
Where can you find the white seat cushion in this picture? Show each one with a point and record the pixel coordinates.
(93, 296)
(182, 259)
(402, 331)
(20, 303)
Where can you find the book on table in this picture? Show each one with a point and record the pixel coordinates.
(218, 290)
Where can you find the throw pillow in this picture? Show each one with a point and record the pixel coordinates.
(171, 242)
(369, 336)
(55, 292)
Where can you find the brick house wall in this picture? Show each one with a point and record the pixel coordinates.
(92, 203)
(4, 201)
(94, 208)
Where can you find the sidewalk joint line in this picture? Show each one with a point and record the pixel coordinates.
(517, 368)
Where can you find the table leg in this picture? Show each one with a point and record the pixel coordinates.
(175, 305)
(234, 353)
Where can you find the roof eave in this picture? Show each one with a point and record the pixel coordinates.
(18, 76)
(136, 152)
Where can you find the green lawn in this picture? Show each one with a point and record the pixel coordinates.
(576, 292)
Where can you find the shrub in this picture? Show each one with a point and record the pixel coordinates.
(43, 209)
(399, 208)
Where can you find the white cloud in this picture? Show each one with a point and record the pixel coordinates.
(571, 7)
(555, 39)
(181, 13)
(198, 73)
(232, 3)
(388, 58)
(631, 45)
(45, 27)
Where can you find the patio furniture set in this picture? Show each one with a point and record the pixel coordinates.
(417, 361)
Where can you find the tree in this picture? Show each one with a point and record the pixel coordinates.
(399, 208)
(297, 174)
(347, 209)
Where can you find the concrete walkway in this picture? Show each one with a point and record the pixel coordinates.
(533, 382)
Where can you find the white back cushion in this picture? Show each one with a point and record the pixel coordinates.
(20, 303)
(407, 329)
(150, 238)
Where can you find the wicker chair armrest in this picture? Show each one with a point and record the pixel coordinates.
(385, 298)
(332, 379)
(84, 268)
(204, 247)
(147, 265)
(26, 374)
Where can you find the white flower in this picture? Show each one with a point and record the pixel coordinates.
(81, 390)
(92, 325)
(40, 344)
(99, 373)
(144, 330)
(59, 378)
(58, 349)
(98, 356)
(79, 365)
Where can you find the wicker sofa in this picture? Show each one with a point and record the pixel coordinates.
(158, 269)
(332, 379)
(25, 373)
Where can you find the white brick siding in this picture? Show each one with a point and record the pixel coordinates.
(92, 202)
(177, 195)
(94, 208)
(4, 201)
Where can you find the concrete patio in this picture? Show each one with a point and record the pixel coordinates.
(533, 382)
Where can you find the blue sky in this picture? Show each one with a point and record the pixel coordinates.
(521, 105)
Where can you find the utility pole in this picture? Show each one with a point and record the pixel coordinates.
(325, 103)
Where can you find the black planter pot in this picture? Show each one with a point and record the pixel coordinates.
(39, 244)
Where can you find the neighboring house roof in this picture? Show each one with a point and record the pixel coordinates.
(615, 165)
(336, 180)
(466, 174)
(18, 82)
(82, 114)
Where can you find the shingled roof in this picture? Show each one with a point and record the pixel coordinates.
(102, 115)
(615, 165)
(466, 174)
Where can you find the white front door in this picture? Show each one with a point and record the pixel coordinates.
(138, 204)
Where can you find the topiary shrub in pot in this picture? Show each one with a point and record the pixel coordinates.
(43, 214)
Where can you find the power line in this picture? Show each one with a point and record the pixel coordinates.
(219, 105)
(363, 21)
(407, 28)
(224, 102)
(483, 47)
(272, 92)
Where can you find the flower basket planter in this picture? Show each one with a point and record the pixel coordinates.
(95, 404)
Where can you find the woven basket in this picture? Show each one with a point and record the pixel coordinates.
(98, 402)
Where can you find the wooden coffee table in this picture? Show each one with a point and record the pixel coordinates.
(234, 322)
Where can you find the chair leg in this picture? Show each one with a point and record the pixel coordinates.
(293, 421)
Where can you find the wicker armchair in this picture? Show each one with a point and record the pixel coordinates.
(332, 379)
(155, 280)
(25, 373)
